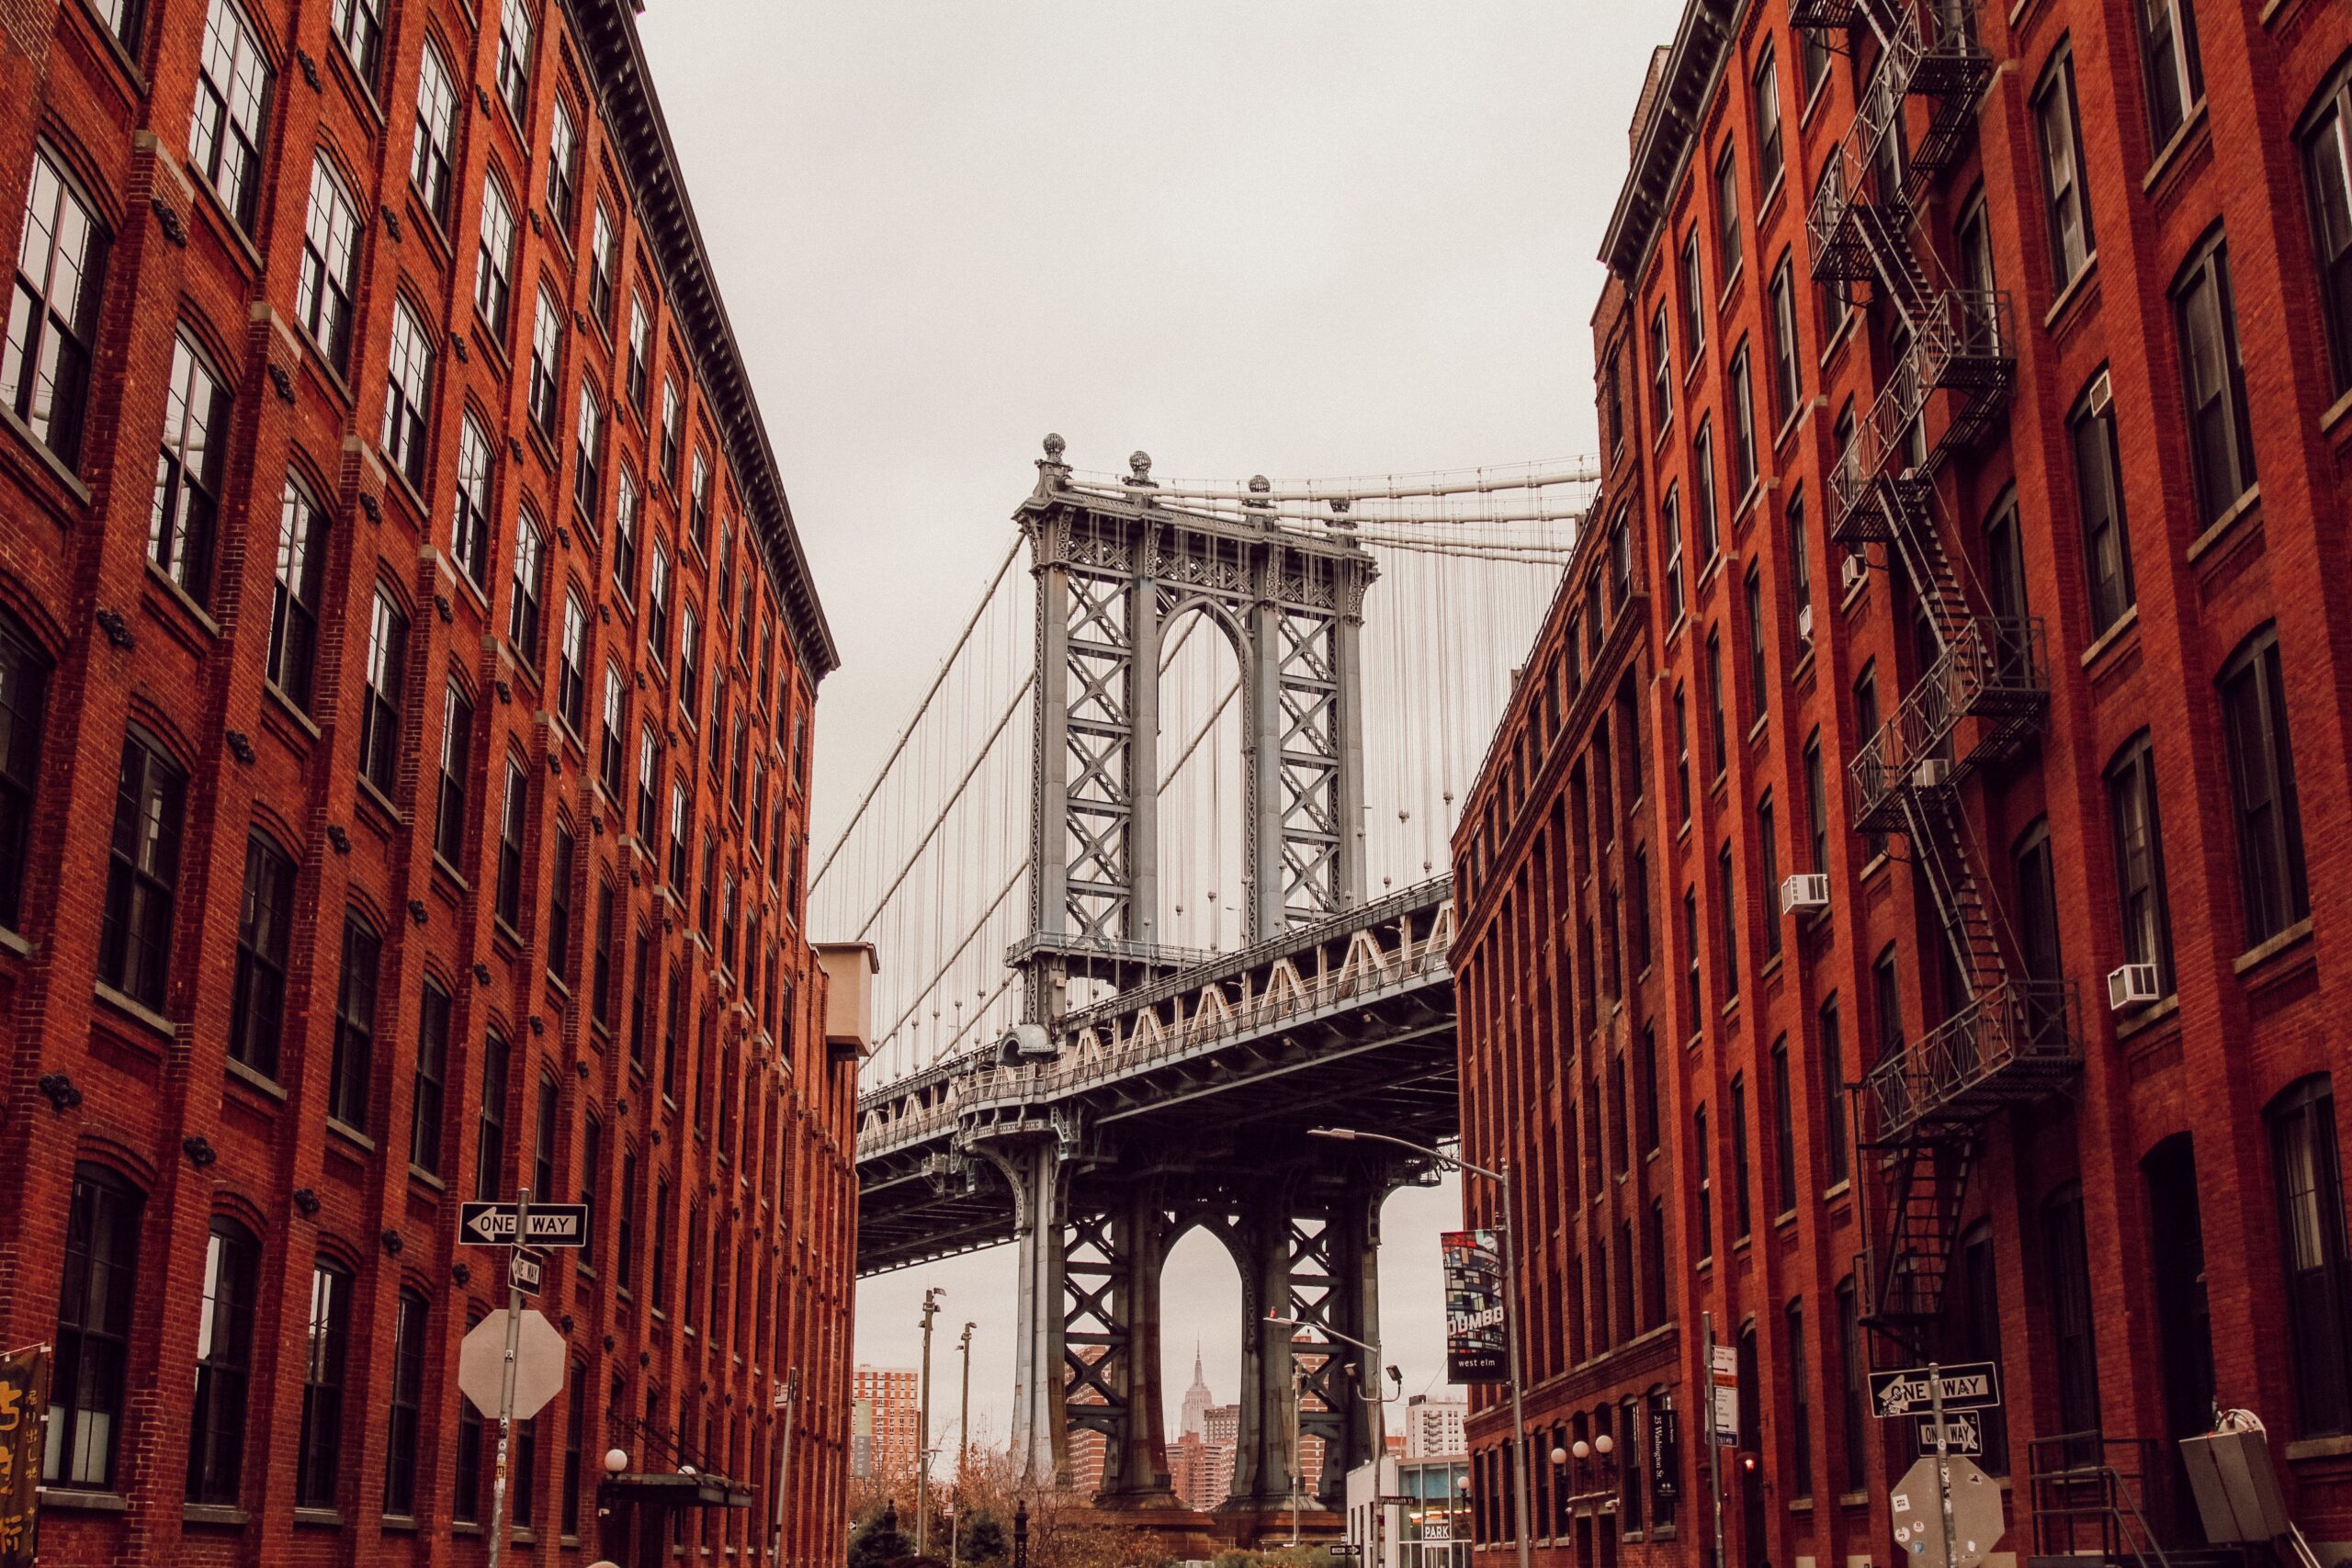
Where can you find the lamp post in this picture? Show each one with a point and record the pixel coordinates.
(1500, 1177)
(963, 1447)
(1379, 1404)
(922, 1436)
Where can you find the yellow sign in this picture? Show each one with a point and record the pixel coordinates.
(24, 1411)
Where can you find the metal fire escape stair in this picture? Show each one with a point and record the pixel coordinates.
(1922, 1107)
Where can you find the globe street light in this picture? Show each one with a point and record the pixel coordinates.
(1500, 1177)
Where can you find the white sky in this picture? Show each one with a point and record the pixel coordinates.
(1296, 237)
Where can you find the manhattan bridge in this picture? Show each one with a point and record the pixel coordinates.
(1157, 871)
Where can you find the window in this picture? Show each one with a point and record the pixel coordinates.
(135, 935)
(2220, 438)
(1726, 215)
(600, 993)
(93, 1330)
(1739, 1175)
(490, 1130)
(1887, 997)
(1833, 1089)
(571, 664)
(659, 1279)
(563, 168)
(2037, 887)
(318, 1460)
(465, 1498)
(2262, 780)
(2327, 170)
(380, 711)
(673, 429)
(522, 609)
(1788, 386)
(1866, 725)
(232, 101)
(359, 26)
(1768, 124)
(1817, 804)
(1637, 916)
(587, 455)
(2069, 211)
(188, 472)
(1719, 727)
(257, 1002)
(1670, 517)
(330, 262)
(1743, 426)
(1800, 1406)
(1785, 1133)
(2066, 1265)
(406, 1417)
(224, 1338)
(1662, 363)
(1834, 304)
(679, 848)
(2176, 80)
(1682, 751)
(301, 558)
(432, 1063)
(575, 1427)
(1702, 1156)
(494, 263)
(1768, 846)
(640, 354)
(2139, 858)
(24, 702)
(469, 525)
(53, 319)
(612, 744)
(513, 809)
(1973, 1330)
(546, 363)
(1728, 897)
(559, 934)
(1702, 495)
(649, 787)
(656, 604)
(408, 387)
(543, 1144)
(698, 502)
(624, 1247)
(355, 1025)
(515, 58)
(1758, 683)
(1814, 61)
(436, 121)
(604, 267)
(625, 534)
(457, 738)
(1854, 1386)
(2311, 1245)
(1694, 302)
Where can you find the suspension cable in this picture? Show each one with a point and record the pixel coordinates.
(931, 985)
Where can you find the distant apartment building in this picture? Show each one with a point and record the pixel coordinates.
(1433, 1427)
(886, 1414)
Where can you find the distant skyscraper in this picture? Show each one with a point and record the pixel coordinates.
(892, 1412)
(1196, 1400)
(1433, 1427)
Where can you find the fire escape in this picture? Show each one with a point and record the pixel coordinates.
(2008, 1037)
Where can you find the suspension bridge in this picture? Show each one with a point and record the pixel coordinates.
(1157, 871)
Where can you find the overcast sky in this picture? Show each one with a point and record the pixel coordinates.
(1296, 237)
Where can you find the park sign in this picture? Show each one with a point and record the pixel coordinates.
(1474, 1308)
(1967, 1385)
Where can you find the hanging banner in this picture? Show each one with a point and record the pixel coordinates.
(1474, 1308)
(24, 1410)
(1666, 1451)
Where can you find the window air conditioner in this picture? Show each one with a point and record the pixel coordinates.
(1804, 623)
(2102, 393)
(1931, 774)
(2131, 987)
(1852, 573)
(1805, 893)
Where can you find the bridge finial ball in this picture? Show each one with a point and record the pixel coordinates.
(1139, 464)
(1054, 446)
(1260, 484)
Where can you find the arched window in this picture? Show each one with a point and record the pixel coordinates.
(257, 998)
(326, 1348)
(224, 1347)
(2311, 1245)
(2262, 783)
(93, 1330)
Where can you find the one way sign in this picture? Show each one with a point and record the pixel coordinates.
(1970, 1385)
(553, 1225)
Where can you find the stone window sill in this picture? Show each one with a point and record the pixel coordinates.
(2075, 289)
(2262, 952)
(2223, 525)
(138, 1012)
(2110, 637)
(254, 1078)
(69, 1497)
(226, 1514)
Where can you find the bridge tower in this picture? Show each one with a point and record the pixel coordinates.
(1113, 568)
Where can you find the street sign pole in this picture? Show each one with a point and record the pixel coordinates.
(506, 1393)
(784, 1403)
(1943, 1459)
(1714, 1444)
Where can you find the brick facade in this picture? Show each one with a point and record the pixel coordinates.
(2163, 1230)
(233, 1107)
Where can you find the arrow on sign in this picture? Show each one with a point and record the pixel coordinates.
(553, 1225)
(1973, 1385)
(1963, 1432)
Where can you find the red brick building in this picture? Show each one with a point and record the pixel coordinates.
(1973, 393)
(407, 659)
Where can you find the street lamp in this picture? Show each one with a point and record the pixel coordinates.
(1379, 1429)
(1500, 1177)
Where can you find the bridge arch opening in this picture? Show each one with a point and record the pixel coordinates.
(1201, 1343)
(1203, 786)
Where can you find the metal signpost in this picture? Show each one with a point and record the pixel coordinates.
(1947, 1398)
(528, 1376)
(1722, 1379)
(785, 1395)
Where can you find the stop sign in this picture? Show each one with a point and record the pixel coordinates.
(539, 1361)
(1919, 1515)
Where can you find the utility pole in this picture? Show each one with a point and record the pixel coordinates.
(923, 1430)
(1297, 1393)
(1715, 1439)
(963, 1447)
(786, 1399)
(506, 1382)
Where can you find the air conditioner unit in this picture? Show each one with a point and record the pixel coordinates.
(2131, 987)
(1805, 893)
(1852, 573)
(1804, 623)
(1933, 773)
(2102, 393)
